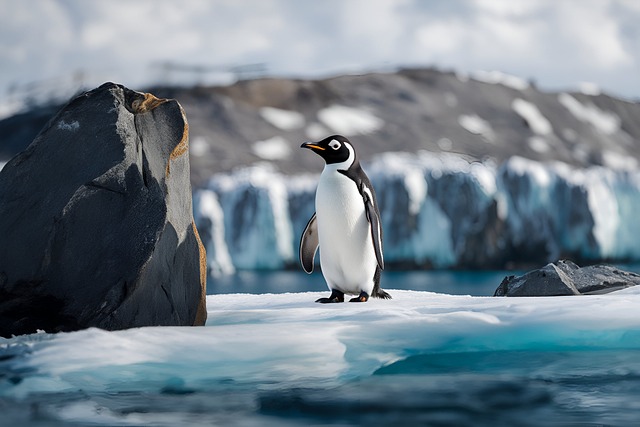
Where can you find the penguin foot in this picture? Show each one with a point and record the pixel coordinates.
(363, 297)
(381, 294)
(335, 297)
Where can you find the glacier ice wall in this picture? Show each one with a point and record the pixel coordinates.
(437, 211)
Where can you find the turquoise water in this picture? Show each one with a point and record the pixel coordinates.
(222, 375)
(475, 283)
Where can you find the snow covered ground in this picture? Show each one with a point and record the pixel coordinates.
(281, 354)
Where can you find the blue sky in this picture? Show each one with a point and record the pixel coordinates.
(558, 43)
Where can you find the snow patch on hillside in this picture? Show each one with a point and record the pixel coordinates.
(198, 146)
(276, 148)
(283, 119)
(476, 125)
(349, 121)
(605, 122)
(497, 77)
(534, 118)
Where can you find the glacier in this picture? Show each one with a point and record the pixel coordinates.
(437, 210)
(281, 359)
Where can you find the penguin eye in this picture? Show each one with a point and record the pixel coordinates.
(334, 144)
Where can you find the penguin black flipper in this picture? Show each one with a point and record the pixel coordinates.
(357, 175)
(376, 230)
(309, 244)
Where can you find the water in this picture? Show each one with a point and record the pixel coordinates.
(476, 283)
(281, 360)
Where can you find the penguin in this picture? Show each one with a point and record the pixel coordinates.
(346, 226)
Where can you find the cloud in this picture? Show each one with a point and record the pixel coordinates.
(557, 42)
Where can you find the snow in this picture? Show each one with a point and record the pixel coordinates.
(71, 127)
(283, 119)
(534, 118)
(476, 125)
(287, 340)
(538, 144)
(605, 122)
(198, 146)
(316, 132)
(619, 161)
(275, 148)
(589, 88)
(523, 166)
(497, 77)
(349, 121)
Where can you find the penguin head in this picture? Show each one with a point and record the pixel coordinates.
(333, 149)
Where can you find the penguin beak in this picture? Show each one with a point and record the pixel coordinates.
(312, 146)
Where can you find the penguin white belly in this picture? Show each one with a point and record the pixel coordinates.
(347, 256)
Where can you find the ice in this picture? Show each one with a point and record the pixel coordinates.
(275, 148)
(604, 121)
(538, 171)
(604, 207)
(209, 218)
(256, 220)
(436, 209)
(287, 340)
(349, 121)
(283, 119)
(534, 118)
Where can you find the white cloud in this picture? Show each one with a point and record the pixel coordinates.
(508, 8)
(557, 42)
(594, 32)
(441, 37)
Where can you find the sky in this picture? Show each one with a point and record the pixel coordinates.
(49, 45)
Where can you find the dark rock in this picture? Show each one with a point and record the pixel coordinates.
(566, 278)
(601, 279)
(96, 223)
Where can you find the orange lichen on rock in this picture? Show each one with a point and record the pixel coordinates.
(183, 145)
(201, 314)
(140, 106)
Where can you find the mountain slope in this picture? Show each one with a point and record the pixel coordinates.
(488, 116)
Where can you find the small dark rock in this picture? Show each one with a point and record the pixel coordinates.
(566, 278)
(96, 223)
